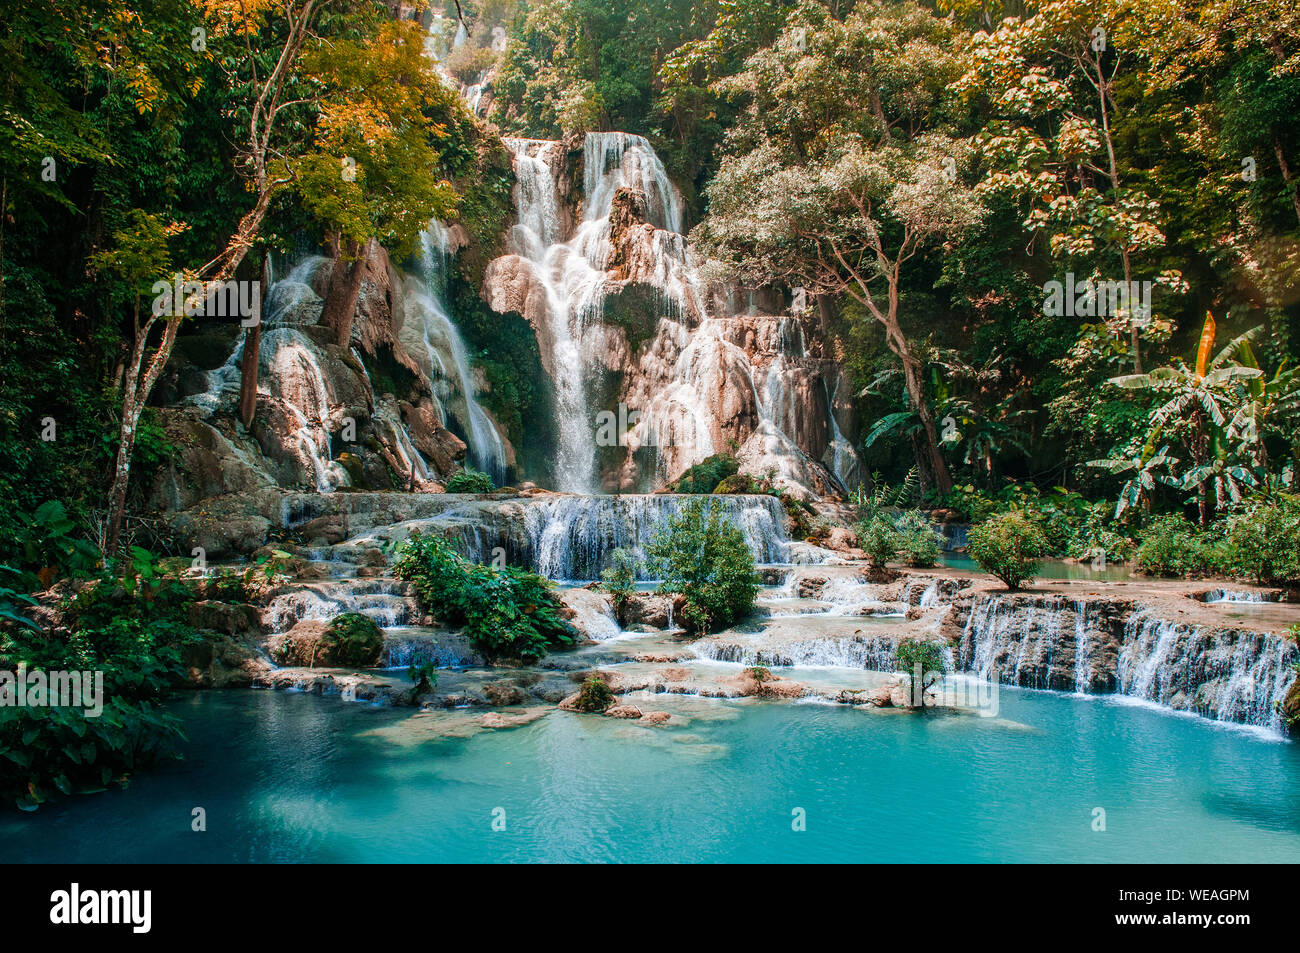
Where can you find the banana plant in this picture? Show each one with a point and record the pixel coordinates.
(1147, 467)
(1207, 399)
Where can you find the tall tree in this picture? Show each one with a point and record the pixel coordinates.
(841, 171)
(373, 175)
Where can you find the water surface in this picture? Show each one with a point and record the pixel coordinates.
(290, 777)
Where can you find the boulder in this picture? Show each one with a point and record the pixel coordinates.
(623, 711)
(228, 618)
(503, 693)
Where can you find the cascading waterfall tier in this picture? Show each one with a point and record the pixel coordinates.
(623, 315)
(436, 344)
(1224, 673)
(563, 537)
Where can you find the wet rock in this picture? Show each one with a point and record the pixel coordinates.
(593, 615)
(236, 619)
(647, 609)
(623, 711)
(504, 693)
(221, 663)
(442, 449)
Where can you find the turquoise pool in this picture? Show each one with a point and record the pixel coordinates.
(291, 777)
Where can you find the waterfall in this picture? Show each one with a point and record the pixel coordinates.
(571, 537)
(696, 375)
(1219, 596)
(1225, 674)
(293, 374)
(840, 456)
(445, 358)
(574, 290)
(614, 160)
(872, 652)
(383, 600)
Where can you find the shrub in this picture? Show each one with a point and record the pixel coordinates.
(701, 556)
(760, 674)
(917, 541)
(353, 640)
(595, 695)
(1009, 546)
(705, 476)
(133, 630)
(912, 655)
(469, 481)
(424, 678)
(48, 546)
(506, 613)
(619, 579)
(742, 483)
(878, 539)
(1263, 542)
(1170, 546)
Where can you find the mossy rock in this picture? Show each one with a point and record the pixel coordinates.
(1291, 709)
(351, 641)
(595, 696)
(355, 469)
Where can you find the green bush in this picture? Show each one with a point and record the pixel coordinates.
(49, 546)
(741, 483)
(353, 640)
(1263, 542)
(878, 539)
(705, 476)
(133, 629)
(917, 541)
(595, 695)
(469, 481)
(619, 579)
(506, 613)
(701, 556)
(1171, 546)
(927, 656)
(1009, 546)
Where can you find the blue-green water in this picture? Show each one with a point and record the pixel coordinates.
(288, 777)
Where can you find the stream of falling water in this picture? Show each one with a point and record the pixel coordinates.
(438, 340)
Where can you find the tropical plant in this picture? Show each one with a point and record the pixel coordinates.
(1009, 546)
(923, 660)
(595, 694)
(505, 613)
(705, 476)
(49, 546)
(469, 480)
(1200, 405)
(916, 539)
(878, 538)
(619, 578)
(700, 555)
(353, 640)
(1170, 546)
(135, 636)
(12, 602)
(424, 678)
(1262, 540)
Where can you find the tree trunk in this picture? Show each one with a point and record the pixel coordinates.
(249, 361)
(1134, 336)
(135, 392)
(345, 289)
(935, 462)
(1286, 175)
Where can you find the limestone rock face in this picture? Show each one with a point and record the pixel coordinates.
(442, 448)
(615, 293)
